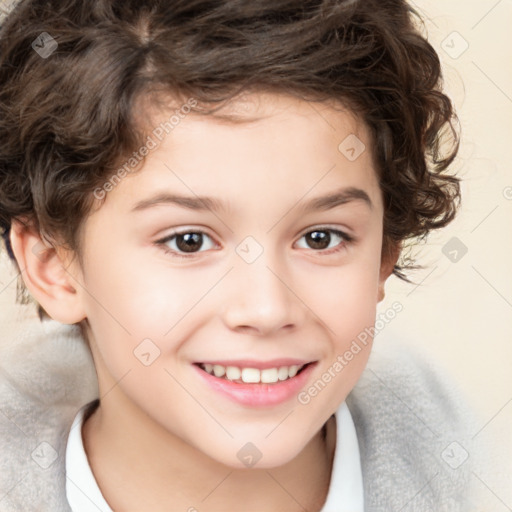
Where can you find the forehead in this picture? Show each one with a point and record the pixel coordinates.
(247, 109)
(255, 140)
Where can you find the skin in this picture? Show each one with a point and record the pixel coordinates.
(161, 438)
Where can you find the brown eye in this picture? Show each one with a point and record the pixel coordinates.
(318, 239)
(184, 243)
(189, 242)
(321, 239)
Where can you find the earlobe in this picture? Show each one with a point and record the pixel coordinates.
(43, 272)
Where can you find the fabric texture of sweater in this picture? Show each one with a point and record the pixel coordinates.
(413, 424)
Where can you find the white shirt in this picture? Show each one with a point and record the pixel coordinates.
(345, 490)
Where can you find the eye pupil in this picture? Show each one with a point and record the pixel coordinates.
(191, 241)
(319, 239)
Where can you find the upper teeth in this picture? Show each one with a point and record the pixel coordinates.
(252, 375)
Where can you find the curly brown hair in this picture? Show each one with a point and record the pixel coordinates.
(67, 120)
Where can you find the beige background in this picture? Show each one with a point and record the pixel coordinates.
(461, 314)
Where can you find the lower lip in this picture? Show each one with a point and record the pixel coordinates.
(258, 394)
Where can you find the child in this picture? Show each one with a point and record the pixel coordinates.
(227, 370)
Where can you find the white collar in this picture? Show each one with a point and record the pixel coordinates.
(346, 486)
(345, 490)
(82, 491)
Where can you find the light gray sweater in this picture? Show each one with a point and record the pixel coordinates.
(413, 426)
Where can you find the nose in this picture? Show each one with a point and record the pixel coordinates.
(262, 300)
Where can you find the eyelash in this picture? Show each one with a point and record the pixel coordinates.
(348, 239)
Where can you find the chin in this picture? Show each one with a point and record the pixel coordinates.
(258, 455)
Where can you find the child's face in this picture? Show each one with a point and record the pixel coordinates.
(253, 287)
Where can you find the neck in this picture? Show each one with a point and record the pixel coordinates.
(159, 470)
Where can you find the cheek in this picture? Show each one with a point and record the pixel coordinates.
(349, 310)
(128, 281)
(347, 300)
(155, 302)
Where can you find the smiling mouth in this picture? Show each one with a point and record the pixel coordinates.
(253, 375)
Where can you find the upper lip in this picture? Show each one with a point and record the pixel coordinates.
(260, 365)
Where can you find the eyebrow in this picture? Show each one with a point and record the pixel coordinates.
(337, 198)
(201, 203)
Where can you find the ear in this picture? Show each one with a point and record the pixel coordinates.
(43, 270)
(388, 262)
